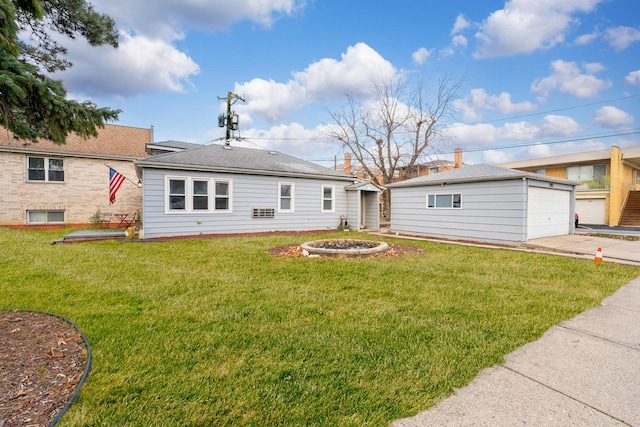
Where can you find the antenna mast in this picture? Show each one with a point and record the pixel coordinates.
(230, 121)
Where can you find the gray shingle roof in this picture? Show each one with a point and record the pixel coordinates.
(216, 157)
(473, 173)
(176, 144)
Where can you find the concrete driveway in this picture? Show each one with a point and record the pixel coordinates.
(583, 245)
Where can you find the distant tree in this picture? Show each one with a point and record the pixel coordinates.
(33, 105)
(394, 129)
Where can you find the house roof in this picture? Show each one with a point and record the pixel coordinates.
(474, 173)
(225, 158)
(172, 145)
(630, 155)
(113, 141)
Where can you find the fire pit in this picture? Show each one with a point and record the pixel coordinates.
(344, 247)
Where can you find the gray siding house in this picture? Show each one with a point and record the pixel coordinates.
(220, 189)
(483, 203)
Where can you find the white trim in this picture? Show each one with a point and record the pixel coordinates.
(333, 198)
(46, 160)
(188, 195)
(292, 198)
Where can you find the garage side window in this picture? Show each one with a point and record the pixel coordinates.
(444, 201)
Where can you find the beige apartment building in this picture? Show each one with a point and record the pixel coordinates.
(609, 190)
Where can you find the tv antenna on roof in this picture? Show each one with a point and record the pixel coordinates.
(230, 121)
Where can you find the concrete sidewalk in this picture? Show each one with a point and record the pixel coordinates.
(582, 372)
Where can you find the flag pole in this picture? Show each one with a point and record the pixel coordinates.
(137, 184)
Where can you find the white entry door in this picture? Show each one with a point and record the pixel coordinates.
(548, 212)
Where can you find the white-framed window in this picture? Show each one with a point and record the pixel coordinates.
(286, 196)
(444, 201)
(186, 194)
(222, 195)
(328, 202)
(45, 169)
(45, 217)
(177, 193)
(200, 194)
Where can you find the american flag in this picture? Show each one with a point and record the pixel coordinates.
(115, 181)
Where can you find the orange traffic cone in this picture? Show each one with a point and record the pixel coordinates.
(598, 258)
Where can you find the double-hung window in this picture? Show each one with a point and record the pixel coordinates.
(328, 202)
(198, 195)
(45, 169)
(222, 196)
(444, 201)
(285, 197)
(177, 194)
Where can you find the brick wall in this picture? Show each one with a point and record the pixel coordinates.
(85, 190)
(86, 185)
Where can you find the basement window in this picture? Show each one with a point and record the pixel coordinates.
(45, 217)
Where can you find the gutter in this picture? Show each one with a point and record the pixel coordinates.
(156, 165)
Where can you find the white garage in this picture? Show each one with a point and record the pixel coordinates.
(483, 203)
(591, 211)
(548, 212)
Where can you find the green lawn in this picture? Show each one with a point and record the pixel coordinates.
(219, 332)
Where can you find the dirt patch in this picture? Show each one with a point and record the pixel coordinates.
(294, 251)
(42, 361)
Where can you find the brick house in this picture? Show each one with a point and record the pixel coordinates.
(48, 184)
(609, 190)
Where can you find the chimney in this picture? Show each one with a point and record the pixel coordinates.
(347, 163)
(458, 157)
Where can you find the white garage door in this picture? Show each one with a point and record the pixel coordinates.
(591, 211)
(548, 212)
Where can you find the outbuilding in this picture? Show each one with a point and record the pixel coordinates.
(483, 203)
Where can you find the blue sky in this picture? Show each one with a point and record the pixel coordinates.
(539, 77)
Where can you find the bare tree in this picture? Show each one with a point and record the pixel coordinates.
(395, 128)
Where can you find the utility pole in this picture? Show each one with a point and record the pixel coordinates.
(230, 121)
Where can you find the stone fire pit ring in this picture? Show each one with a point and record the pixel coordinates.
(353, 248)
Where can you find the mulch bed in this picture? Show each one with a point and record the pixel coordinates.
(42, 360)
(294, 251)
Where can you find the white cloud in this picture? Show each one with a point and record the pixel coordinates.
(481, 134)
(166, 17)
(421, 55)
(612, 117)
(524, 26)
(554, 125)
(633, 78)
(459, 40)
(568, 78)
(496, 157)
(460, 25)
(479, 99)
(586, 39)
(148, 59)
(540, 151)
(293, 139)
(356, 73)
(520, 131)
(139, 65)
(621, 38)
